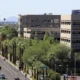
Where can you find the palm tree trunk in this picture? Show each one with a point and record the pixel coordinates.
(14, 54)
(6, 52)
(11, 57)
(2, 50)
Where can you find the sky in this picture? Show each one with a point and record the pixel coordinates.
(10, 8)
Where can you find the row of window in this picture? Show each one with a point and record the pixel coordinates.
(38, 20)
(66, 23)
(41, 21)
(76, 41)
(65, 31)
(75, 32)
(45, 26)
(76, 23)
(66, 40)
(39, 32)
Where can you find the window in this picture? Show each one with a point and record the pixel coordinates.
(66, 22)
(51, 21)
(56, 20)
(31, 25)
(48, 20)
(65, 31)
(51, 25)
(65, 40)
(20, 20)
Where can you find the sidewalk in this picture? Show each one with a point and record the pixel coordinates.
(28, 76)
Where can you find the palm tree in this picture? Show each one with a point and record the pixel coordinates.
(12, 47)
(5, 48)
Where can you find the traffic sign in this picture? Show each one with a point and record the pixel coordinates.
(43, 66)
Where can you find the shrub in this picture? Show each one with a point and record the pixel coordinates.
(53, 75)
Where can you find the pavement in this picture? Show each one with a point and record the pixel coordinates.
(11, 71)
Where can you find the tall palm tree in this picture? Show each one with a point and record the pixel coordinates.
(12, 47)
(5, 48)
(21, 44)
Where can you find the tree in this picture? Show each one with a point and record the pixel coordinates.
(45, 36)
(5, 48)
(36, 38)
(12, 50)
(51, 39)
(61, 52)
(9, 32)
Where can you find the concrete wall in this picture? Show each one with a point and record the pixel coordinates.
(65, 27)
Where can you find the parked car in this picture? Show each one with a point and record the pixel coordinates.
(17, 78)
(2, 76)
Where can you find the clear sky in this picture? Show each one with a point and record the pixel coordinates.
(14, 7)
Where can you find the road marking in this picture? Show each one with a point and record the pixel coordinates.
(7, 69)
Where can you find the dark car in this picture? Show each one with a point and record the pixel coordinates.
(2, 76)
(17, 78)
(0, 67)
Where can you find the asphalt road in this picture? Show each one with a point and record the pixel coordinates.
(10, 71)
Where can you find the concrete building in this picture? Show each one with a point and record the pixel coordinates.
(65, 30)
(29, 24)
(75, 35)
(70, 30)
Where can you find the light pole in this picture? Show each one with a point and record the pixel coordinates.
(75, 64)
(55, 66)
(61, 68)
(67, 70)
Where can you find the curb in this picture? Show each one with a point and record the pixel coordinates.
(28, 76)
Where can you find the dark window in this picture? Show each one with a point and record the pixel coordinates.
(20, 19)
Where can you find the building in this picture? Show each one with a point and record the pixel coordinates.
(65, 30)
(75, 35)
(29, 24)
(70, 30)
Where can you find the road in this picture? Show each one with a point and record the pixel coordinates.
(10, 71)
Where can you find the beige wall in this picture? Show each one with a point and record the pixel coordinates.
(26, 35)
(65, 18)
(65, 26)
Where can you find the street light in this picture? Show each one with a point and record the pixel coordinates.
(61, 68)
(55, 66)
(67, 70)
(75, 64)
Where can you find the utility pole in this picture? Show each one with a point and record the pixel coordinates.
(75, 64)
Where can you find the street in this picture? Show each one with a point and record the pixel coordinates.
(10, 71)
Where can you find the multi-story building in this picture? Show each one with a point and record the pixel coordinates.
(75, 35)
(70, 30)
(65, 30)
(29, 24)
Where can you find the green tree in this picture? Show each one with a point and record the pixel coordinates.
(45, 36)
(9, 32)
(61, 52)
(51, 39)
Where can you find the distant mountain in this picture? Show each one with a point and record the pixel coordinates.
(12, 19)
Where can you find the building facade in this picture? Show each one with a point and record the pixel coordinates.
(75, 35)
(70, 30)
(65, 30)
(29, 24)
